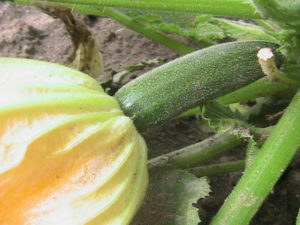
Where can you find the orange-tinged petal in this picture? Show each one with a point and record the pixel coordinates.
(68, 155)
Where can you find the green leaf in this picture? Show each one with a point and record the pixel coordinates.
(170, 28)
(184, 20)
(202, 19)
(286, 13)
(221, 118)
(243, 31)
(170, 197)
(207, 31)
(163, 21)
(149, 18)
(119, 76)
(183, 24)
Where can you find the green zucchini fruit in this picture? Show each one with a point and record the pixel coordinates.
(191, 80)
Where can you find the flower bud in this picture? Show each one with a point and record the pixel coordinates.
(68, 155)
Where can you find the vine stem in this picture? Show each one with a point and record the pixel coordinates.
(260, 88)
(266, 59)
(260, 178)
(140, 28)
(199, 152)
(220, 168)
(234, 8)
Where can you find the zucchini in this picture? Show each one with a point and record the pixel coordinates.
(191, 80)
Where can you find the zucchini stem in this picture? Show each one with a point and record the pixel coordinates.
(233, 8)
(199, 152)
(260, 88)
(207, 149)
(217, 169)
(158, 37)
(269, 164)
(267, 62)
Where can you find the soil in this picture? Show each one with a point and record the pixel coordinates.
(27, 32)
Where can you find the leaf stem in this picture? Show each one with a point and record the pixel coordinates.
(220, 168)
(261, 176)
(233, 8)
(150, 33)
(260, 88)
(199, 152)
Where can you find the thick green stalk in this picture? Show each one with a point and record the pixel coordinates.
(234, 8)
(220, 168)
(199, 152)
(83, 9)
(298, 218)
(153, 35)
(115, 14)
(260, 88)
(269, 164)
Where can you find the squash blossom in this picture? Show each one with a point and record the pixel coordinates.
(68, 155)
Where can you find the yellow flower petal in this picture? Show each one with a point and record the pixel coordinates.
(68, 155)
